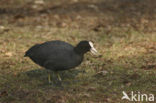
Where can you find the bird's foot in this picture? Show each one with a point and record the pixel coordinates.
(59, 78)
(49, 79)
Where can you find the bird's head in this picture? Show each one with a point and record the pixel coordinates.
(85, 46)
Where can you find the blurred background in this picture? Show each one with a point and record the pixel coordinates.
(93, 15)
(123, 31)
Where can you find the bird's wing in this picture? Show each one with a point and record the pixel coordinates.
(56, 64)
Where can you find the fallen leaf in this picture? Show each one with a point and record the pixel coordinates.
(92, 89)
(8, 54)
(3, 93)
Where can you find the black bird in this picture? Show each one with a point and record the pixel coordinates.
(59, 55)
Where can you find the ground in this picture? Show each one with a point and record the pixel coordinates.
(123, 32)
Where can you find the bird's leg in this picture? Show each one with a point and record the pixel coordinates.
(49, 80)
(59, 78)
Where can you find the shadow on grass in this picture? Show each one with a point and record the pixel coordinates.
(68, 77)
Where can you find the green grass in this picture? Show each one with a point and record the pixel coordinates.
(128, 61)
(125, 65)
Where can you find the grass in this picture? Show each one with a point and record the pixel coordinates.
(128, 63)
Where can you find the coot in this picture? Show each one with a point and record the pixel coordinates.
(59, 55)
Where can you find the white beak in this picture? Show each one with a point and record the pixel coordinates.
(93, 50)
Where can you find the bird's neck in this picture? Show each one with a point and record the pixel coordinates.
(79, 50)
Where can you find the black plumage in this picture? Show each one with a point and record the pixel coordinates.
(58, 55)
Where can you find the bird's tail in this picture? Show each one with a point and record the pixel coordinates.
(25, 55)
(30, 52)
